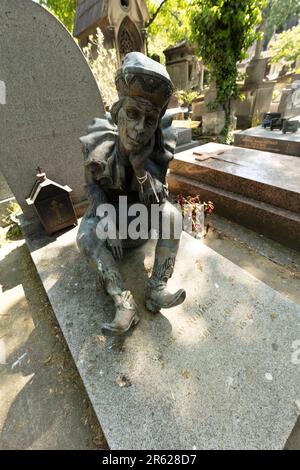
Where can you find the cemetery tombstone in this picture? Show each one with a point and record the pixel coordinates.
(269, 140)
(258, 94)
(51, 97)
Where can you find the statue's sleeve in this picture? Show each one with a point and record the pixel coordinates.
(97, 146)
(95, 193)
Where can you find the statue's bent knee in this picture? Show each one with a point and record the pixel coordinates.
(171, 222)
(87, 240)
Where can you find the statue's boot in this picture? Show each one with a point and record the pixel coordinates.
(157, 295)
(126, 316)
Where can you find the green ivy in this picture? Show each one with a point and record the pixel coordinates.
(170, 26)
(223, 31)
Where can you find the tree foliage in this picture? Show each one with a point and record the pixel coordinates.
(278, 13)
(223, 31)
(286, 49)
(169, 20)
(170, 25)
(63, 9)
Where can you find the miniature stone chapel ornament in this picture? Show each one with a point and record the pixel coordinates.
(129, 155)
(52, 203)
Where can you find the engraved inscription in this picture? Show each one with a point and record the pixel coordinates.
(207, 328)
(260, 144)
(269, 145)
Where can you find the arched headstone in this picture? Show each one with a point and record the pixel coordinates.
(51, 97)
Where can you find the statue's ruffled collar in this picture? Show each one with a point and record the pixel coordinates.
(100, 146)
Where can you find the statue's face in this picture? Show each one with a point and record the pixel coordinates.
(137, 123)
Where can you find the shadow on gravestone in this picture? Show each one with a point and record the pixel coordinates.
(51, 98)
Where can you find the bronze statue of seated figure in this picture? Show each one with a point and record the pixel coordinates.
(128, 155)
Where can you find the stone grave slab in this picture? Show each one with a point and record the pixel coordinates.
(257, 189)
(221, 371)
(274, 222)
(6, 197)
(51, 98)
(5, 191)
(263, 176)
(269, 141)
(184, 139)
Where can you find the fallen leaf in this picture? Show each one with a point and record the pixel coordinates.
(123, 381)
(48, 359)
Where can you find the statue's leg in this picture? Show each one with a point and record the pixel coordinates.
(157, 295)
(99, 256)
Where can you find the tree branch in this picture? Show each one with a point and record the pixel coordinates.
(155, 14)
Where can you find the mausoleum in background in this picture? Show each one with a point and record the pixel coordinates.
(122, 23)
(184, 67)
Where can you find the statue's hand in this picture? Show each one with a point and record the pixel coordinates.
(115, 246)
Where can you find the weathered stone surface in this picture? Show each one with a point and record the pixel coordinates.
(184, 139)
(5, 191)
(6, 197)
(51, 98)
(213, 122)
(184, 135)
(257, 93)
(262, 176)
(183, 66)
(219, 371)
(269, 141)
(255, 72)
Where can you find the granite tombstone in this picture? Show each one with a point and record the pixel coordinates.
(51, 96)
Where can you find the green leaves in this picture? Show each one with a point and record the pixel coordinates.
(223, 30)
(170, 26)
(278, 14)
(64, 10)
(287, 46)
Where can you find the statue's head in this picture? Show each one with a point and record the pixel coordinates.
(144, 89)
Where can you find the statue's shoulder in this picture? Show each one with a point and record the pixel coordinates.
(169, 134)
(101, 133)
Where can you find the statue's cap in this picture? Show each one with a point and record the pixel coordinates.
(143, 77)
